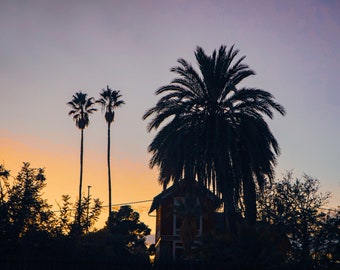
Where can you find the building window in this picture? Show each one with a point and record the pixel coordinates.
(179, 202)
(177, 224)
(178, 251)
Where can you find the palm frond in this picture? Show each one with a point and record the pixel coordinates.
(210, 130)
(109, 101)
(81, 108)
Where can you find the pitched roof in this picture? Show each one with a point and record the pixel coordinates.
(182, 185)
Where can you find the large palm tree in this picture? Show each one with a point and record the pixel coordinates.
(214, 131)
(81, 108)
(109, 100)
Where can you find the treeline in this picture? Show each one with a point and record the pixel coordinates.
(32, 236)
(294, 230)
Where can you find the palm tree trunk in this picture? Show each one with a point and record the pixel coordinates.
(228, 200)
(250, 200)
(109, 166)
(249, 189)
(229, 211)
(81, 175)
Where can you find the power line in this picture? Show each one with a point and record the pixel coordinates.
(117, 204)
(135, 202)
(144, 201)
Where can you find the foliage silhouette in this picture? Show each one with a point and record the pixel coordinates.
(126, 224)
(82, 107)
(4, 219)
(3, 173)
(109, 100)
(258, 246)
(65, 216)
(214, 131)
(294, 205)
(23, 210)
(32, 236)
(293, 231)
(89, 214)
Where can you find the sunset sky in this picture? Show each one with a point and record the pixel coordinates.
(51, 49)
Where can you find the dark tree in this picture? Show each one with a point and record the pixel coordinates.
(4, 188)
(214, 131)
(64, 223)
(109, 100)
(82, 107)
(89, 213)
(295, 206)
(32, 236)
(125, 222)
(26, 210)
(4, 174)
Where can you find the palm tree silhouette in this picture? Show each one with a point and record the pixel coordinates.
(110, 100)
(214, 131)
(81, 108)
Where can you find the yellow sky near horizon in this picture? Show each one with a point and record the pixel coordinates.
(131, 181)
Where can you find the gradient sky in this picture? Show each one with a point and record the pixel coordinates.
(51, 49)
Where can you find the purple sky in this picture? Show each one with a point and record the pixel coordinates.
(51, 49)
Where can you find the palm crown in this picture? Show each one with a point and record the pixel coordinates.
(110, 100)
(212, 130)
(81, 108)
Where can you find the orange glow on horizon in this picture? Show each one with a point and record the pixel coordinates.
(131, 181)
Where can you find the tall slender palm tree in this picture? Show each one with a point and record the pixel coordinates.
(109, 100)
(214, 131)
(81, 108)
